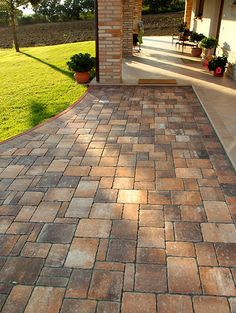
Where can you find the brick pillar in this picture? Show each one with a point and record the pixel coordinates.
(188, 12)
(110, 31)
(137, 13)
(128, 16)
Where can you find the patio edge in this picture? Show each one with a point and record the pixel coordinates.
(232, 161)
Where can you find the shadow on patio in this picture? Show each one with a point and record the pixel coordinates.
(125, 198)
(159, 59)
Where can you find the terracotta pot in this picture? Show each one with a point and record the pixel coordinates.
(196, 52)
(205, 62)
(81, 77)
(217, 74)
(207, 56)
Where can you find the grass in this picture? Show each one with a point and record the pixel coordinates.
(36, 85)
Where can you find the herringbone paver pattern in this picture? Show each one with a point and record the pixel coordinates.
(124, 204)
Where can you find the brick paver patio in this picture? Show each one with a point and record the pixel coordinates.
(125, 203)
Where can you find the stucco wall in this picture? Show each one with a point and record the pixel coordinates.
(208, 24)
(227, 34)
(228, 25)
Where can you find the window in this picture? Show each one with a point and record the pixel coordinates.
(200, 6)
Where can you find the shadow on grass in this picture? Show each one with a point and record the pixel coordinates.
(56, 68)
(39, 113)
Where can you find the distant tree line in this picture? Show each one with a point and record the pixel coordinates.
(51, 10)
(57, 11)
(161, 6)
(9, 9)
(65, 10)
(46, 11)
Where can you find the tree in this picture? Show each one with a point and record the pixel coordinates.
(3, 18)
(51, 9)
(87, 5)
(156, 6)
(10, 9)
(71, 10)
(57, 10)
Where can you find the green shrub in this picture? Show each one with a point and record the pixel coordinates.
(196, 37)
(82, 62)
(209, 42)
(217, 62)
(182, 27)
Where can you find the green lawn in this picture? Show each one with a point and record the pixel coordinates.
(36, 84)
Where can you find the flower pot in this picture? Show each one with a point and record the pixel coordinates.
(196, 52)
(207, 56)
(205, 62)
(219, 72)
(81, 77)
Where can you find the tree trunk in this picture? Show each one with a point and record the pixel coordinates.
(14, 33)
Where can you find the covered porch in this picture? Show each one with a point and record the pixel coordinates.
(161, 59)
(116, 22)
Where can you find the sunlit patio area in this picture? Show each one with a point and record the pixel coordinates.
(125, 203)
(161, 59)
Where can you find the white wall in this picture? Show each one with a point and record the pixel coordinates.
(227, 34)
(228, 25)
(208, 24)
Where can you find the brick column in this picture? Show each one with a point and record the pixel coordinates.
(128, 16)
(110, 31)
(188, 12)
(137, 13)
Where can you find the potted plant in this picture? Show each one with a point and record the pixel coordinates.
(218, 65)
(182, 27)
(196, 37)
(208, 43)
(81, 64)
(184, 31)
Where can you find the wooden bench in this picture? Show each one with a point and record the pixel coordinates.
(175, 37)
(185, 43)
(182, 41)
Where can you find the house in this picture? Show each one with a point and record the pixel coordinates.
(118, 19)
(215, 18)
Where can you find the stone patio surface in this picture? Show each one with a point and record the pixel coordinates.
(123, 204)
(159, 58)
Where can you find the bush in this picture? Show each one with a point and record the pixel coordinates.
(217, 62)
(32, 19)
(81, 62)
(196, 37)
(209, 42)
(182, 27)
(4, 18)
(162, 6)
